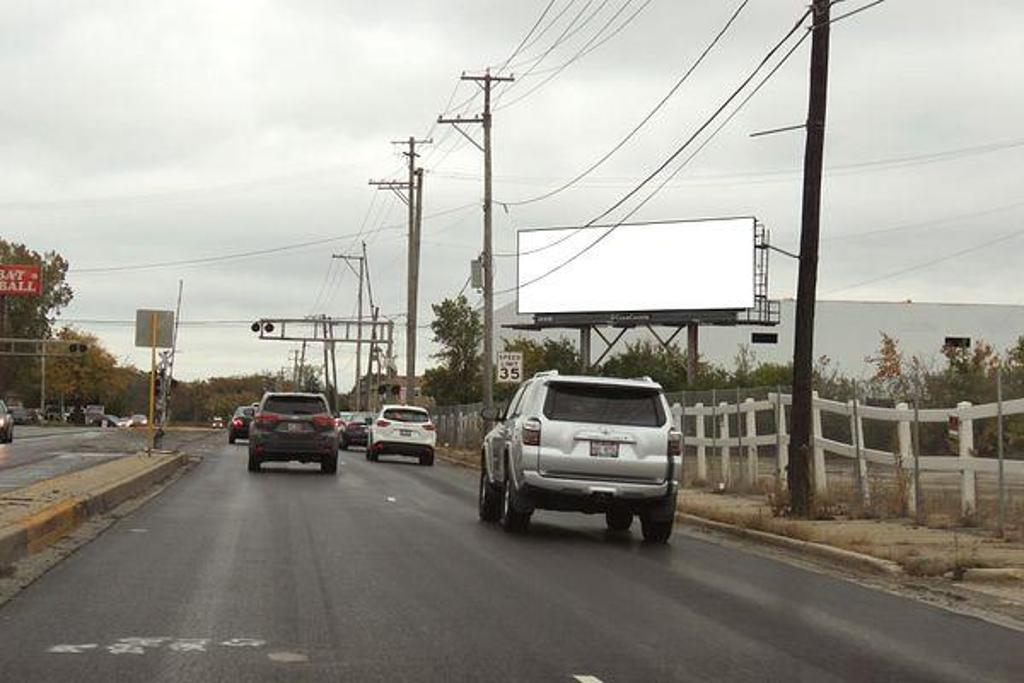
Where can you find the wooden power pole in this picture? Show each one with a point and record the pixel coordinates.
(485, 81)
(801, 439)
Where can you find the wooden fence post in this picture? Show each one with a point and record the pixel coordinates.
(781, 452)
(751, 433)
(904, 456)
(860, 462)
(820, 476)
(702, 457)
(724, 448)
(968, 480)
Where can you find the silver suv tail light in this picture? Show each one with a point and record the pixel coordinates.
(531, 432)
(675, 443)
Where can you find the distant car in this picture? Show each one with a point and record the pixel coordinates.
(6, 424)
(239, 427)
(114, 421)
(23, 416)
(217, 422)
(293, 427)
(139, 420)
(355, 430)
(402, 430)
(124, 422)
(586, 444)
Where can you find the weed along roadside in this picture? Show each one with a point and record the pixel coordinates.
(36, 516)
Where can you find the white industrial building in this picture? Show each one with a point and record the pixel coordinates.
(845, 331)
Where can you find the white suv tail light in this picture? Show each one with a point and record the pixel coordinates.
(675, 443)
(531, 432)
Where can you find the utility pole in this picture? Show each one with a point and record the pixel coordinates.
(293, 357)
(302, 367)
(485, 81)
(413, 198)
(412, 327)
(800, 445)
(359, 328)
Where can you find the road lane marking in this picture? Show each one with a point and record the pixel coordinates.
(189, 645)
(72, 649)
(140, 645)
(287, 657)
(391, 499)
(244, 642)
(584, 678)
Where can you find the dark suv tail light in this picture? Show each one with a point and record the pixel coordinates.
(323, 421)
(675, 443)
(266, 419)
(237, 422)
(531, 432)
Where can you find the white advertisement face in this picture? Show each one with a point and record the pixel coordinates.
(683, 265)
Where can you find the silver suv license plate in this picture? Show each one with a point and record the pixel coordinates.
(604, 449)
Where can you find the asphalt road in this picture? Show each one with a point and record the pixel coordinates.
(383, 573)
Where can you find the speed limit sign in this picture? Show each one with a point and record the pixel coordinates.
(510, 367)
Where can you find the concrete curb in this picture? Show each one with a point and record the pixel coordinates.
(1002, 575)
(845, 557)
(38, 530)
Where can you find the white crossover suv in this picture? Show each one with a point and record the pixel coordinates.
(585, 444)
(402, 430)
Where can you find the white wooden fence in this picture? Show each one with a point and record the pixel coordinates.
(902, 416)
(708, 431)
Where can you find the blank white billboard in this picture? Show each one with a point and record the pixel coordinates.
(668, 266)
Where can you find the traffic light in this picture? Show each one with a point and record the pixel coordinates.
(76, 347)
(268, 326)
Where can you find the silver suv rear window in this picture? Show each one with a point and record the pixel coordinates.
(604, 404)
(404, 415)
(295, 405)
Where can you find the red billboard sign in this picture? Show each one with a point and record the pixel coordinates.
(20, 280)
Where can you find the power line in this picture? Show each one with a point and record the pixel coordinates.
(593, 43)
(256, 252)
(558, 41)
(643, 122)
(679, 150)
(522, 43)
(930, 263)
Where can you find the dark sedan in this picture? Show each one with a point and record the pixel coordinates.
(238, 428)
(356, 431)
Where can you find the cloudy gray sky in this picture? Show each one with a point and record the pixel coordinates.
(136, 133)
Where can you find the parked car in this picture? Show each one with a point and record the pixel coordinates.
(355, 431)
(239, 426)
(293, 427)
(114, 421)
(585, 444)
(402, 430)
(6, 424)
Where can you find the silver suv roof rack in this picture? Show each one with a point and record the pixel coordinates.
(546, 373)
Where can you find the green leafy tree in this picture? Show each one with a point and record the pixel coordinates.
(458, 332)
(29, 317)
(91, 377)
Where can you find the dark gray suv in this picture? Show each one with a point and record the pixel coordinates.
(293, 427)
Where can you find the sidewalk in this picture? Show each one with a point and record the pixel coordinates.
(35, 516)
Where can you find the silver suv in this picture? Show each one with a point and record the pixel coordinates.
(585, 444)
